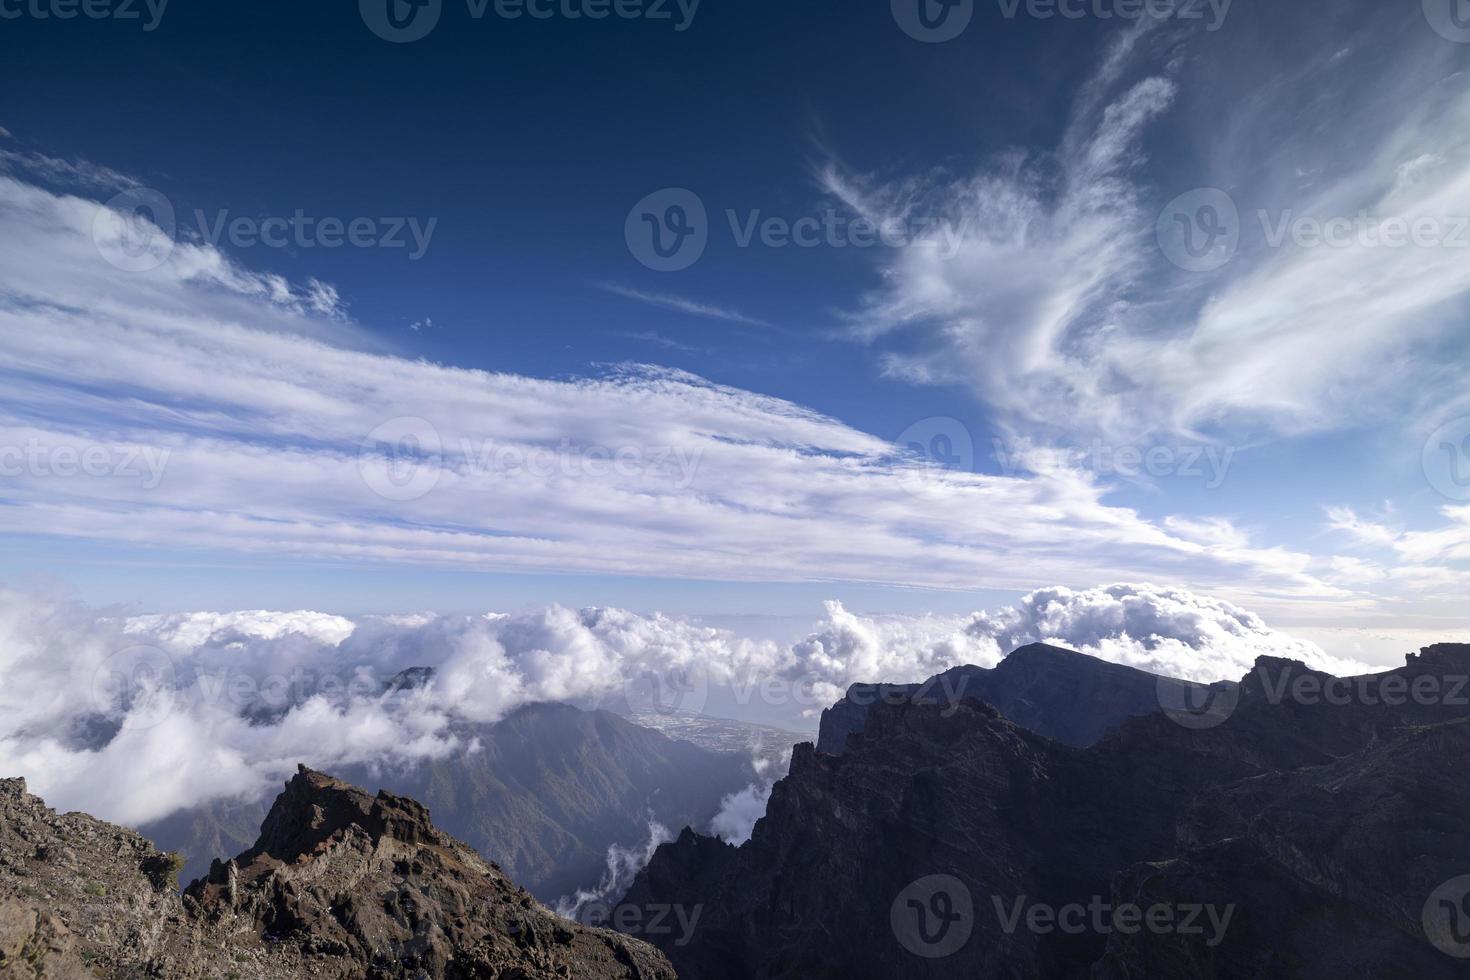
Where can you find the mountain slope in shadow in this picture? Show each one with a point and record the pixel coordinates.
(1289, 833)
(1071, 697)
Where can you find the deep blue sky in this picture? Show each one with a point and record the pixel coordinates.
(529, 141)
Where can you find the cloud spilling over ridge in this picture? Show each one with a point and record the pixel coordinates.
(594, 905)
(1161, 630)
(135, 718)
(739, 811)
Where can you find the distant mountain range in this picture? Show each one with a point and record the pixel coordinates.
(1066, 696)
(549, 790)
(1293, 825)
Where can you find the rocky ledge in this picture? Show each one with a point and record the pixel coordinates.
(341, 884)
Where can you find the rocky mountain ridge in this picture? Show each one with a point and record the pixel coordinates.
(1068, 696)
(340, 884)
(1288, 836)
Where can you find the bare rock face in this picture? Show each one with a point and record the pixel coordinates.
(340, 885)
(368, 880)
(73, 886)
(35, 945)
(1297, 835)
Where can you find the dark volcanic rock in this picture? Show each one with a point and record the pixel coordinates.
(340, 885)
(1314, 833)
(1067, 696)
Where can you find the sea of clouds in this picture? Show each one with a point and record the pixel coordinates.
(132, 718)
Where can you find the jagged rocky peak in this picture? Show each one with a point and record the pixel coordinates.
(340, 884)
(313, 813)
(1450, 655)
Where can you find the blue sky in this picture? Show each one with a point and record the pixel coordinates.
(1293, 392)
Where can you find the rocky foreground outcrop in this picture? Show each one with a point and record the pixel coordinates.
(340, 885)
(1302, 827)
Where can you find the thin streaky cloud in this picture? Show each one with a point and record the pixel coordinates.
(680, 304)
(70, 173)
(657, 339)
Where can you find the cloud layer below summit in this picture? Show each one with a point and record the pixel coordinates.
(133, 718)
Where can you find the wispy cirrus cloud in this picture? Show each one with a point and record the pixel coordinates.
(281, 429)
(1062, 312)
(680, 304)
(63, 172)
